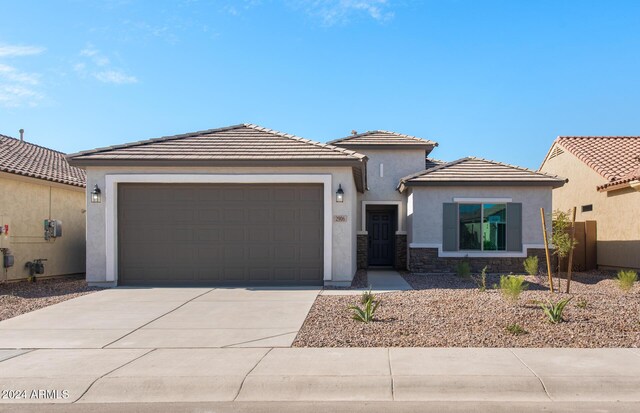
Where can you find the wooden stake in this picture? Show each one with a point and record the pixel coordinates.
(573, 237)
(546, 248)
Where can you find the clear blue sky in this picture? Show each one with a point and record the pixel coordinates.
(497, 79)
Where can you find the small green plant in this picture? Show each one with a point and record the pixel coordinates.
(367, 296)
(531, 265)
(365, 314)
(463, 269)
(626, 279)
(511, 286)
(553, 309)
(516, 329)
(481, 280)
(582, 303)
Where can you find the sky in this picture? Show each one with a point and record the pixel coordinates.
(494, 79)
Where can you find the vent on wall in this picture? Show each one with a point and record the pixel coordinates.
(556, 151)
(587, 208)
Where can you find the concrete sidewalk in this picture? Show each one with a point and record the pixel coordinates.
(379, 280)
(322, 375)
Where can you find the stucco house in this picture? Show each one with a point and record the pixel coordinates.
(37, 185)
(604, 186)
(253, 206)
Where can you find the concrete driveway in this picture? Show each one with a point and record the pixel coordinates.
(151, 318)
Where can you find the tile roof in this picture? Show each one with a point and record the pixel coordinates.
(431, 162)
(24, 158)
(244, 142)
(478, 171)
(615, 158)
(382, 137)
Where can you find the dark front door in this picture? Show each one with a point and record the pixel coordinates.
(380, 229)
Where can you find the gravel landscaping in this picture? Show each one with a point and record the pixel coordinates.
(22, 297)
(449, 311)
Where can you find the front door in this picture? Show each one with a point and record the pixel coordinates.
(380, 229)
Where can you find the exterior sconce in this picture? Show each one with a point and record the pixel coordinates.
(96, 195)
(340, 194)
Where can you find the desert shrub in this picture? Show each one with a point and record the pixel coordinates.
(481, 280)
(554, 309)
(626, 279)
(365, 313)
(463, 269)
(367, 296)
(511, 286)
(516, 329)
(561, 235)
(531, 265)
(582, 303)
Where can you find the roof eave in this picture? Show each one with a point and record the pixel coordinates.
(635, 184)
(554, 184)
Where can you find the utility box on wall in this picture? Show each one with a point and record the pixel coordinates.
(52, 228)
(5, 232)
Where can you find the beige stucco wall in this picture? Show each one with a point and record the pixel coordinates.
(343, 233)
(26, 203)
(426, 209)
(397, 163)
(616, 212)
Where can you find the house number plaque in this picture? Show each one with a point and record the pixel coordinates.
(340, 218)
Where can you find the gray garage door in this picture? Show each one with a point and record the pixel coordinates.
(220, 234)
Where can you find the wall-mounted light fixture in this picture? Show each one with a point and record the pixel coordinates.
(340, 194)
(96, 195)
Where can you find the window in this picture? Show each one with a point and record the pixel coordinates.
(587, 208)
(483, 227)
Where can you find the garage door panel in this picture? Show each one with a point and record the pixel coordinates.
(259, 234)
(220, 233)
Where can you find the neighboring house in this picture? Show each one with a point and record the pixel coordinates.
(252, 206)
(38, 184)
(604, 185)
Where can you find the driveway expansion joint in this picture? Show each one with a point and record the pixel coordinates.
(250, 371)
(157, 318)
(534, 373)
(109, 372)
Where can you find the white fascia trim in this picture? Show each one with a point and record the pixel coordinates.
(478, 254)
(364, 212)
(111, 204)
(482, 200)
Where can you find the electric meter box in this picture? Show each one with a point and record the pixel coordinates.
(5, 232)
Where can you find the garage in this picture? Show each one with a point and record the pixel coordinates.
(220, 234)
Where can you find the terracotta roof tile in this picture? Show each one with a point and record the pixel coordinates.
(382, 137)
(239, 142)
(478, 171)
(615, 158)
(27, 159)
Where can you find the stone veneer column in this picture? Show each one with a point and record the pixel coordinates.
(362, 256)
(401, 252)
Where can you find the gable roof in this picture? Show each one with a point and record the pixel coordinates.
(238, 145)
(27, 159)
(477, 171)
(233, 143)
(382, 138)
(615, 158)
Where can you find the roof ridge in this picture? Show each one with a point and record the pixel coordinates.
(370, 132)
(212, 131)
(522, 168)
(474, 158)
(305, 140)
(32, 144)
